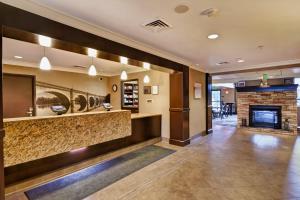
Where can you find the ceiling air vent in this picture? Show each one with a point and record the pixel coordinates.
(223, 63)
(157, 25)
(79, 66)
(210, 12)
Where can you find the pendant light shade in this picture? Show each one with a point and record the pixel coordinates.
(124, 75)
(146, 79)
(45, 64)
(92, 70)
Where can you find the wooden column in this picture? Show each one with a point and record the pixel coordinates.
(208, 80)
(179, 108)
(1, 131)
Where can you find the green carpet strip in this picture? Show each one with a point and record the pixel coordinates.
(87, 181)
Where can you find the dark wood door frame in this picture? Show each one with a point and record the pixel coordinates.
(23, 20)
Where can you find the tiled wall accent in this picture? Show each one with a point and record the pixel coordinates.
(285, 99)
(33, 138)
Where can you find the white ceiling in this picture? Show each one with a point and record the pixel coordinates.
(61, 60)
(233, 78)
(242, 24)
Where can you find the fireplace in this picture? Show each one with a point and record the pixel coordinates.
(265, 116)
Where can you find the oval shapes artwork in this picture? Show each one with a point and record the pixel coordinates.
(45, 98)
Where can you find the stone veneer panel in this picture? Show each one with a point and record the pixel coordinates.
(287, 100)
(33, 138)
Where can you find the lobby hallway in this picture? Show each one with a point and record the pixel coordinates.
(228, 164)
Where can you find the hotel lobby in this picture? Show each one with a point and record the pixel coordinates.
(127, 100)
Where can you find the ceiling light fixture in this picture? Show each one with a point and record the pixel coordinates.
(213, 36)
(92, 52)
(124, 60)
(45, 41)
(124, 75)
(146, 65)
(45, 63)
(92, 70)
(146, 79)
(180, 9)
(18, 57)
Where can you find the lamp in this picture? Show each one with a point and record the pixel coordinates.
(45, 63)
(124, 75)
(146, 79)
(92, 70)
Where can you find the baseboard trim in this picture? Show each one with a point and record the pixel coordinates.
(180, 143)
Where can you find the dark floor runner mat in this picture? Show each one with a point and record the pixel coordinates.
(87, 181)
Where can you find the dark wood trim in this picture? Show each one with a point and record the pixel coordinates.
(180, 143)
(257, 69)
(33, 77)
(143, 129)
(273, 88)
(208, 102)
(2, 132)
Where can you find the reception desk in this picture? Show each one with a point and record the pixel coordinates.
(32, 138)
(37, 145)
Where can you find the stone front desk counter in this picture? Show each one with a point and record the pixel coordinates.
(32, 138)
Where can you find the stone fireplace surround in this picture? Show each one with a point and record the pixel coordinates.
(286, 99)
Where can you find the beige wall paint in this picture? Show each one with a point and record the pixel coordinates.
(77, 81)
(197, 106)
(160, 103)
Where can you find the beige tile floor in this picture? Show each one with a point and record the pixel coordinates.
(228, 164)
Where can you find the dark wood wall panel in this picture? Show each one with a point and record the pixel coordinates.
(208, 80)
(179, 108)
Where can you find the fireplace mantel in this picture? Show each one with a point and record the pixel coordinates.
(273, 88)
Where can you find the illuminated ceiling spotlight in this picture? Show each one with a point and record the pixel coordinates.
(124, 60)
(44, 41)
(92, 52)
(146, 65)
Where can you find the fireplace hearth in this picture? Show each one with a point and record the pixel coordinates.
(265, 116)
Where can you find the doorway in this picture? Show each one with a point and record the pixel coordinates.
(18, 95)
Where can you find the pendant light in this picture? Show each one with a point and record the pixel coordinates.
(45, 63)
(124, 75)
(146, 79)
(92, 70)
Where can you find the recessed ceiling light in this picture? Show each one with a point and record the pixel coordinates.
(44, 41)
(239, 60)
(180, 9)
(197, 64)
(18, 57)
(213, 36)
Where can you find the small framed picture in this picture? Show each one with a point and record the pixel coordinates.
(241, 84)
(155, 89)
(147, 89)
(197, 91)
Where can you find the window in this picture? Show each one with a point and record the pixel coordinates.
(297, 81)
(216, 98)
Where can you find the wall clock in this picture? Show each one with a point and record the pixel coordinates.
(114, 88)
